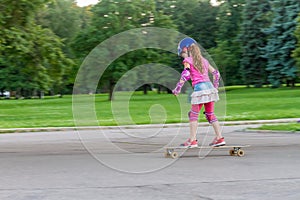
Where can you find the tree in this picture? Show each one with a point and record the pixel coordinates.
(32, 60)
(296, 52)
(227, 53)
(282, 42)
(256, 17)
(197, 19)
(110, 18)
(63, 17)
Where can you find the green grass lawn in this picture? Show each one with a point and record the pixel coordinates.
(262, 103)
(240, 104)
(281, 127)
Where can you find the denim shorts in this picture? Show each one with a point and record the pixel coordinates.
(204, 92)
(203, 86)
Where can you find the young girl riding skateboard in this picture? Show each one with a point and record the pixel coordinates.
(205, 93)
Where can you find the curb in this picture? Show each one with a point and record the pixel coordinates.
(226, 123)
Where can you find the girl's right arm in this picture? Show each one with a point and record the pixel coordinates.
(185, 76)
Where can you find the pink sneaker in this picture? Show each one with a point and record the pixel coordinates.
(190, 144)
(214, 140)
(194, 143)
(218, 142)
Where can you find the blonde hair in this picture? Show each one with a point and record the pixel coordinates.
(195, 52)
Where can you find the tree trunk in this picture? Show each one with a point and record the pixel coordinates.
(145, 89)
(41, 94)
(290, 83)
(111, 89)
(159, 89)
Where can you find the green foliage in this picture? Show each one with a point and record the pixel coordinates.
(197, 19)
(296, 52)
(227, 53)
(109, 19)
(63, 17)
(282, 42)
(44, 42)
(31, 56)
(256, 17)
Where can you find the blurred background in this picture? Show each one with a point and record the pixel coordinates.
(43, 42)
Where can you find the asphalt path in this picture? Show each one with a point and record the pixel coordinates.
(129, 163)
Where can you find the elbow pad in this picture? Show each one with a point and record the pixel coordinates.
(185, 75)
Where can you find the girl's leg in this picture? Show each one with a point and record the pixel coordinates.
(212, 119)
(193, 117)
(193, 130)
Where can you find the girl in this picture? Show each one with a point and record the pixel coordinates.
(196, 68)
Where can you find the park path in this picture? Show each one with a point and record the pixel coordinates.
(128, 164)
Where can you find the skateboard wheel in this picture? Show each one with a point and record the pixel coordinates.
(231, 152)
(174, 155)
(240, 153)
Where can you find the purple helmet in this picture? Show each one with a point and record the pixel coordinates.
(185, 43)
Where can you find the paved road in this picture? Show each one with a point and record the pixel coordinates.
(129, 164)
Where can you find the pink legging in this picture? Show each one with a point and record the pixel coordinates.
(209, 112)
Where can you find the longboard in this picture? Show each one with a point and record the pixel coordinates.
(235, 150)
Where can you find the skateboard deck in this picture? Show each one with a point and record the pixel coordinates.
(235, 150)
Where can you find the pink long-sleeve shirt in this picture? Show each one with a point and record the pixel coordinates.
(197, 76)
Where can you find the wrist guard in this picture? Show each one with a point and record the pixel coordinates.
(177, 90)
(185, 76)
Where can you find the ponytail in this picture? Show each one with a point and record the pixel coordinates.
(195, 52)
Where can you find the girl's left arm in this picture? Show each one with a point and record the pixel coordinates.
(216, 76)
